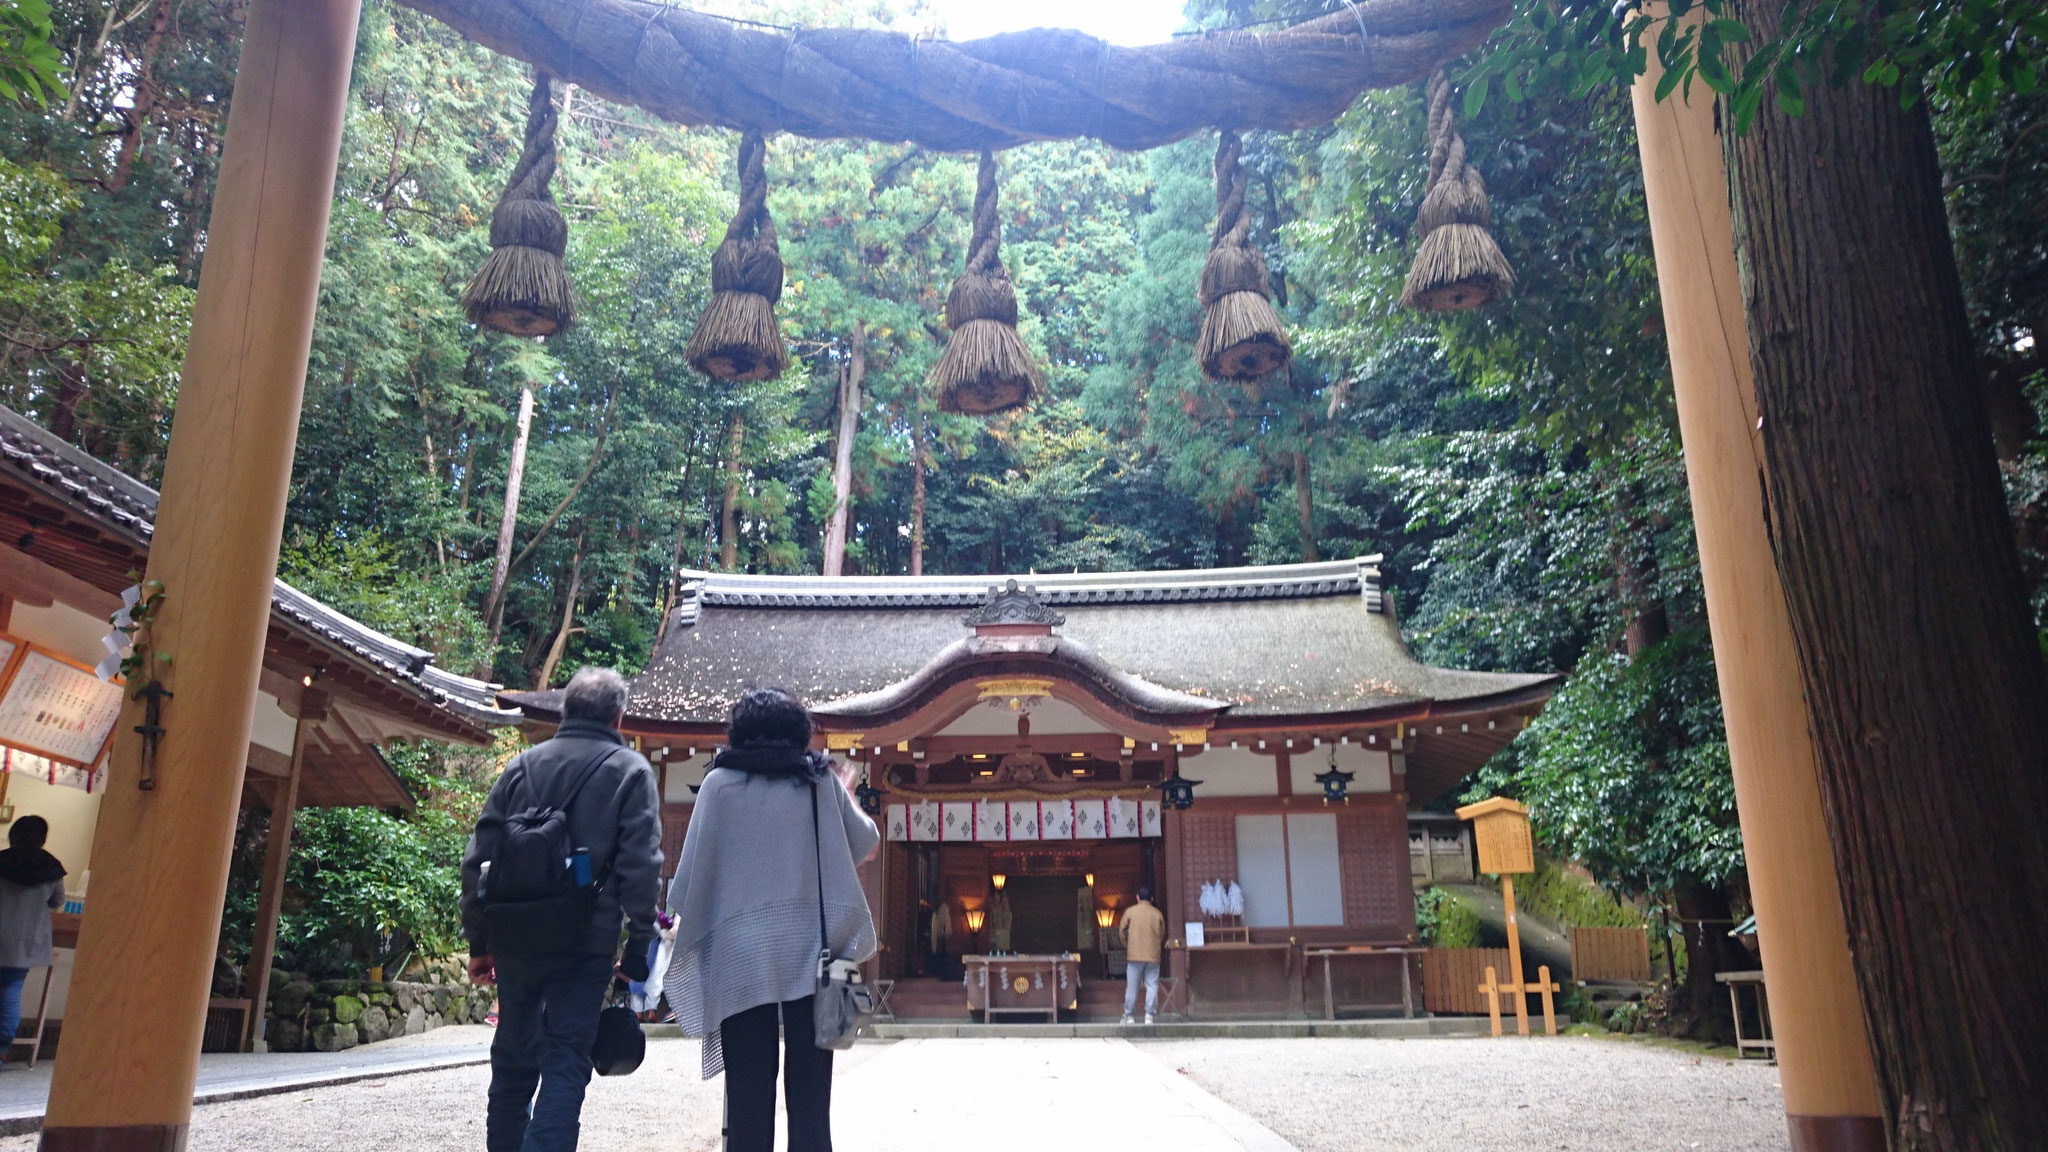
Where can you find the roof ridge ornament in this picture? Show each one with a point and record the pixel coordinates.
(1013, 604)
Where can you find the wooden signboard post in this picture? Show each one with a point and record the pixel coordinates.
(1500, 827)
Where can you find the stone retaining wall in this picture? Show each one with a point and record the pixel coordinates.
(332, 1015)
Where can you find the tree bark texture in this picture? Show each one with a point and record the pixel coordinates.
(673, 584)
(729, 517)
(515, 475)
(1923, 676)
(144, 104)
(851, 378)
(561, 644)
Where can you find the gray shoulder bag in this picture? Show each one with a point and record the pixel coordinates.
(843, 1007)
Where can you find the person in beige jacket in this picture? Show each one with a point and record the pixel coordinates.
(1144, 933)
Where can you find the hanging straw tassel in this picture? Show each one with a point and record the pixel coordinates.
(1241, 334)
(523, 288)
(985, 369)
(737, 338)
(1458, 267)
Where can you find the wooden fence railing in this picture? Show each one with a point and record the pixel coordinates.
(1617, 954)
(1451, 978)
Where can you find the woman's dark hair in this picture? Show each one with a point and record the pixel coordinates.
(768, 718)
(29, 832)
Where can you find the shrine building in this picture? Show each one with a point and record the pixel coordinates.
(1026, 741)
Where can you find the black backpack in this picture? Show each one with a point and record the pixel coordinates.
(532, 902)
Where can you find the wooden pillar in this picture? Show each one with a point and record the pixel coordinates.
(277, 851)
(1831, 1099)
(160, 857)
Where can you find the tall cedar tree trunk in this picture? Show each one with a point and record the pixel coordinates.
(72, 385)
(1923, 672)
(561, 644)
(1705, 918)
(917, 493)
(1304, 505)
(144, 102)
(729, 517)
(675, 556)
(515, 475)
(851, 377)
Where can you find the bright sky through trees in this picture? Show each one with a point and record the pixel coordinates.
(1117, 21)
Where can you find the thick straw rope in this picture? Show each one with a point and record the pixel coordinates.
(1241, 337)
(985, 368)
(523, 288)
(738, 338)
(1044, 84)
(1457, 266)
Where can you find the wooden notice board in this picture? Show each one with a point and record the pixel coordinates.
(1500, 829)
(54, 706)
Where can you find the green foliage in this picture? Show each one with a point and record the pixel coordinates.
(1961, 49)
(366, 577)
(29, 62)
(1557, 893)
(1626, 771)
(1443, 920)
(364, 886)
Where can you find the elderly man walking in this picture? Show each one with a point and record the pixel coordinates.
(568, 849)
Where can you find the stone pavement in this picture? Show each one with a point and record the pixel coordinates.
(1016, 1095)
(235, 1076)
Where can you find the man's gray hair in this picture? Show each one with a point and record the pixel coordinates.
(594, 694)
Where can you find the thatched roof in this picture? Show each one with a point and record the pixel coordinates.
(695, 69)
(1271, 644)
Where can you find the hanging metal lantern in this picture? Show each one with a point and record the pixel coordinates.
(1336, 784)
(1177, 791)
(869, 796)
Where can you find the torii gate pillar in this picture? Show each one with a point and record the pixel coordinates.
(160, 857)
(1831, 1097)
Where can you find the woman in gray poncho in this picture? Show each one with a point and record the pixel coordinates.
(746, 898)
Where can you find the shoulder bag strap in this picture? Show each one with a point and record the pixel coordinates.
(818, 840)
(584, 774)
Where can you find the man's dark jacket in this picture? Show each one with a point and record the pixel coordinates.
(617, 816)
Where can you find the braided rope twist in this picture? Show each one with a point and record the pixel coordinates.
(1235, 264)
(1045, 84)
(749, 259)
(983, 290)
(526, 214)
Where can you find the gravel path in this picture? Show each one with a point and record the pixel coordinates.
(1572, 1093)
(663, 1107)
(1322, 1095)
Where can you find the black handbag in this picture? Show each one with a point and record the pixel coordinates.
(843, 1007)
(620, 1045)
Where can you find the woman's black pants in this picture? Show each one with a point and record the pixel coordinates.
(750, 1040)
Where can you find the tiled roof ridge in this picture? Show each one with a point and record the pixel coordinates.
(1359, 575)
(130, 505)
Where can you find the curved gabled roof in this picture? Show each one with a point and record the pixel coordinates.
(124, 508)
(1266, 643)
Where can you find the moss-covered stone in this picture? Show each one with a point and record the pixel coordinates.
(347, 1009)
(291, 1000)
(317, 1016)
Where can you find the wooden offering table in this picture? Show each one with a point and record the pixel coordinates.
(1023, 985)
(1243, 980)
(1400, 956)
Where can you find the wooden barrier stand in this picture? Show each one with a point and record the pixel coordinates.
(1501, 828)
